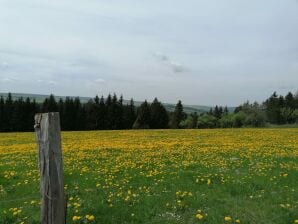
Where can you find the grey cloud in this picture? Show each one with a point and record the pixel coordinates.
(177, 68)
(3, 65)
(165, 59)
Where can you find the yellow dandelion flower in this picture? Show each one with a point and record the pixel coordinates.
(199, 216)
(228, 218)
(208, 181)
(76, 218)
(90, 218)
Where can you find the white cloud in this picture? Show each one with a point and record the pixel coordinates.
(51, 82)
(99, 80)
(9, 80)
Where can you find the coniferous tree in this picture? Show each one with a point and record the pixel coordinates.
(120, 113)
(90, 115)
(29, 110)
(296, 100)
(101, 114)
(79, 114)
(129, 115)
(50, 104)
(62, 113)
(273, 108)
(17, 116)
(195, 118)
(117, 112)
(2, 113)
(69, 114)
(159, 117)
(217, 112)
(96, 112)
(8, 111)
(290, 101)
(109, 112)
(178, 115)
(143, 117)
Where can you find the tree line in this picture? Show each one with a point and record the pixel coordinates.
(277, 110)
(112, 113)
(108, 113)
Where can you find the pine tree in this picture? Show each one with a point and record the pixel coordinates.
(29, 111)
(273, 109)
(8, 111)
(296, 100)
(117, 112)
(70, 114)
(17, 116)
(194, 119)
(79, 115)
(218, 111)
(109, 113)
(100, 114)
(50, 104)
(61, 110)
(2, 113)
(90, 115)
(178, 115)
(120, 113)
(290, 101)
(159, 116)
(143, 117)
(96, 112)
(129, 115)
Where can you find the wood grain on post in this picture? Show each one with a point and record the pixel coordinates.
(47, 129)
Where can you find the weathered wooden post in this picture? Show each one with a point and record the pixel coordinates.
(47, 129)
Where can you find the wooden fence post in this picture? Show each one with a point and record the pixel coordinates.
(47, 129)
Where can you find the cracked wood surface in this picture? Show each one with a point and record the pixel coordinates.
(47, 129)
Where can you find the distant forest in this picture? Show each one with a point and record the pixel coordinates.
(111, 113)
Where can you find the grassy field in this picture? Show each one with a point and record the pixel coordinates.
(165, 176)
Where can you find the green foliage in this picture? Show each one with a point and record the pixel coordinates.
(207, 121)
(227, 121)
(190, 122)
(253, 115)
(280, 110)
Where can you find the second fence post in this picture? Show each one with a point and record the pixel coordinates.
(47, 129)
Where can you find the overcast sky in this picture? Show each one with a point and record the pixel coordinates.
(202, 52)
